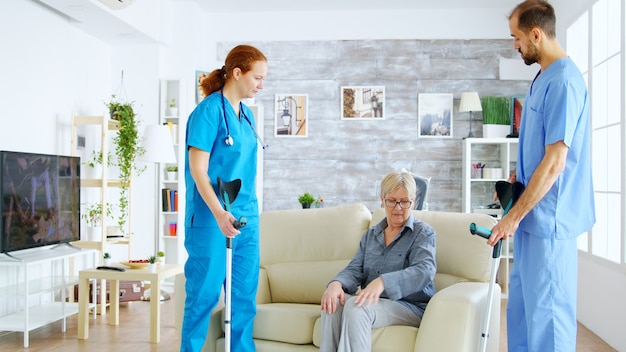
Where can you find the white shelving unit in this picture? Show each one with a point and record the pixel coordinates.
(172, 242)
(41, 285)
(478, 192)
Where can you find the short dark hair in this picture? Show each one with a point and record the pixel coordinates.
(535, 13)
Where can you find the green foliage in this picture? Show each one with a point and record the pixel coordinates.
(127, 149)
(173, 103)
(106, 255)
(172, 169)
(306, 198)
(96, 159)
(496, 110)
(93, 214)
(152, 259)
(161, 254)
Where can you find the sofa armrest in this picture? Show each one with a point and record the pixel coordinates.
(453, 320)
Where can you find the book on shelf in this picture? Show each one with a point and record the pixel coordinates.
(169, 198)
(165, 199)
(173, 196)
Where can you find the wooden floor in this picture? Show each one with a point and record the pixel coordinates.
(133, 334)
(586, 340)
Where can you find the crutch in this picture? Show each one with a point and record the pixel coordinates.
(229, 191)
(507, 194)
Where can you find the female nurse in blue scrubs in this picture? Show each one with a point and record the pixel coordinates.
(221, 142)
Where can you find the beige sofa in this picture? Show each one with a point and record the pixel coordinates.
(301, 250)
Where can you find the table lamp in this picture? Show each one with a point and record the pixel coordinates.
(470, 102)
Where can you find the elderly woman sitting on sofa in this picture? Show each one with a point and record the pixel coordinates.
(394, 267)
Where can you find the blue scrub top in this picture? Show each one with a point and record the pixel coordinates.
(206, 130)
(557, 108)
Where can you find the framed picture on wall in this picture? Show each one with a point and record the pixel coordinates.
(516, 113)
(362, 102)
(434, 115)
(291, 115)
(200, 75)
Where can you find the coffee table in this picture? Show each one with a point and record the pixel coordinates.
(162, 272)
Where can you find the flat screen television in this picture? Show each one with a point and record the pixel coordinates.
(40, 200)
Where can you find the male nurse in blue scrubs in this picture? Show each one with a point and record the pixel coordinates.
(557, 204)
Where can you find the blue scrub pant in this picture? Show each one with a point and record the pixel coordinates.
(205, 271)
(541, 311)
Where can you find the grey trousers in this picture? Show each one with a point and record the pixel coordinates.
(350, 327)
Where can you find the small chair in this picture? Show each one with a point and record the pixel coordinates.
(421, 193)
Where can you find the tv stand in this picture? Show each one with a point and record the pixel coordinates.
(12, 258)
(68, 245)
(41, 275)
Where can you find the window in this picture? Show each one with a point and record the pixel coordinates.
(594, 42)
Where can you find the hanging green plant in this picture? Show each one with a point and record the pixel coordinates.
(127, 149)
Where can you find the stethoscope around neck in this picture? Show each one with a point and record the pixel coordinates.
(229, 139)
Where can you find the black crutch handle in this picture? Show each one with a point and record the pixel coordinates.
(485, 233)
(243, 221)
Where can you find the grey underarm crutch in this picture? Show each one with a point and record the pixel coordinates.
(507, 194)
(229, 191)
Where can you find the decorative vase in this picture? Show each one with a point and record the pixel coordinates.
(107, 261)
(173, 112)
(93, 172)
(152, 267)
(94, 233)
(306, 206)
(496, 131)
(161, 260)
(170, 175)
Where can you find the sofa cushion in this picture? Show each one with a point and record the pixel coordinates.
(309, 235)
(286, 322)
(460, 255)
(394, 338)
(301, 282)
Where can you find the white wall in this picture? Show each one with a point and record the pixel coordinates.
(601, 285)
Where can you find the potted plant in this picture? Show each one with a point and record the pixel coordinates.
(94, 219)
(496, 116)
(106, 258)
(171, 172)
(95, 164)
(306, 200)
(152, 263)
(160, 257)
(173, 108)
(127, 149)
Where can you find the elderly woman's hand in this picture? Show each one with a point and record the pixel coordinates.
(333, 294)
(371, 293)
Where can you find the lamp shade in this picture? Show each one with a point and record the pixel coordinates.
(470, 102)
(158, 146)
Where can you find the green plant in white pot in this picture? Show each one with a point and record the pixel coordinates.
(94, 164)
(94, 219)
(173, 108)
(171, 172)
(496, 116)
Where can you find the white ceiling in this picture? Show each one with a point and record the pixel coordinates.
(334, 5)
(90, 16)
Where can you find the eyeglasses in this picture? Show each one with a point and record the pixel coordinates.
(404, 204)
